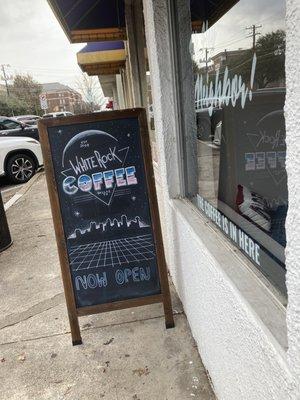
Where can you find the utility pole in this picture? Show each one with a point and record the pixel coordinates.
(226, 56)
(206, 59)
(254, 33)
(5, 77)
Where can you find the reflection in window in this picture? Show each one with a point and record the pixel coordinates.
(238, 63)
(10, 124)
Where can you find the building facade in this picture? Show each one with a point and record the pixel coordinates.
(105, 60)
(62, 98)
(226, 116)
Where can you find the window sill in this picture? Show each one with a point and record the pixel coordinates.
(265, 302)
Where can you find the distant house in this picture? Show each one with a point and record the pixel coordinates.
(226, 57)
(62, 98)
(222, 59)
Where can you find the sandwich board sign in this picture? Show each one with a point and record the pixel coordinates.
(102, 192)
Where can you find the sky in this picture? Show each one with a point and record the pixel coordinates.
(32, 41)
(230, 31)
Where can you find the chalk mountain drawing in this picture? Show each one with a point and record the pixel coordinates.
(109, 224)
(124, 223)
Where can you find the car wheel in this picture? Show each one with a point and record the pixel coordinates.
(20, 168)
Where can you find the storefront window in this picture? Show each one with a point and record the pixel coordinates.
(239, 72)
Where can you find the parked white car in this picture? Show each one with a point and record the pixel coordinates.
(20, 157)
(58, 114)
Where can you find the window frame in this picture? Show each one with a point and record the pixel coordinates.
(183, 146)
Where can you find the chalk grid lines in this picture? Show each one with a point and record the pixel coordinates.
(112, 253)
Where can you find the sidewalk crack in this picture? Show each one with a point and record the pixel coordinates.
(176, 315)
(14, 319)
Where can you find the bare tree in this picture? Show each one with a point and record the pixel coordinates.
(91, 91)
(27, 90)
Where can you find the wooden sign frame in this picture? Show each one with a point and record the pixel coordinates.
(73, 311)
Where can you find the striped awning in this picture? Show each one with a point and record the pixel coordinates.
(91, 20)
(102, 58)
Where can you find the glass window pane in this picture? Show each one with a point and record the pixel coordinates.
(239, 70)
(10, 124)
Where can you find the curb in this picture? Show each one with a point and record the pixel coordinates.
(22, 191)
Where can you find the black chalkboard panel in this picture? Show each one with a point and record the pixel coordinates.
(100, 179)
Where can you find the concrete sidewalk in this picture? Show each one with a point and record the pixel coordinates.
(126, 354)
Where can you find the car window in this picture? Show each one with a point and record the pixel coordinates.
(10, 124)
(60, 115)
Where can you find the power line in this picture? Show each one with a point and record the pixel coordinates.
(226, 44)
(31, 67)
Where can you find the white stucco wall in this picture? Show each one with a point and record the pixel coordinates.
(244, 359)
(292, 112)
